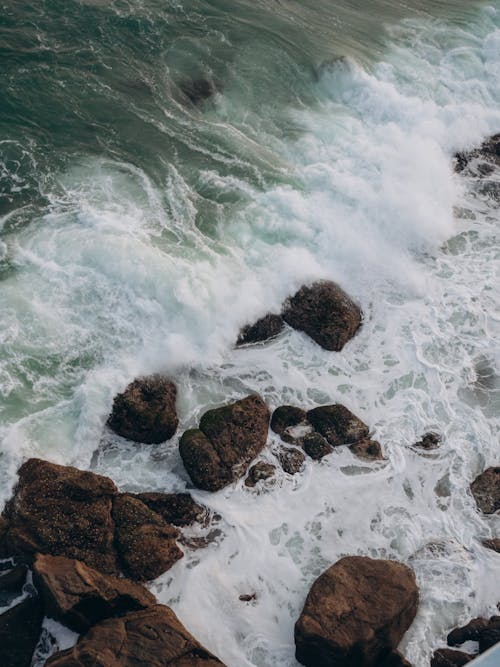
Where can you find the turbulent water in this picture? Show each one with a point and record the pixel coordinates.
(140, 232)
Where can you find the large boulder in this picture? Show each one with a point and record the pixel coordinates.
(325, 313)
(145, 542)
(178, 509)
(267, 327)
(486, 490)
(470, 632)
(20, 629)
(145, 411)
(445, 657)
(356, 613)
(79, 597)
(338, 425)
(228, 439)
(62, 511)
(153, 637)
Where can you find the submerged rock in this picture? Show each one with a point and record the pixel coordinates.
(153, 637)
(488, 152)
(486, 490)
(198, 90)
(79, 596)
(264, 329)
(291, 459)
(325, 313)
(445, 657)
(369, 450)
(494, 544)
(338, 425)
(178, 509)
(316, 446)
(20, 629)
(145, 411)
(228, 439)
(261, 471)
(429, 441)
(356, 613)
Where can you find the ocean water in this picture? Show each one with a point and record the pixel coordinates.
(138, 233)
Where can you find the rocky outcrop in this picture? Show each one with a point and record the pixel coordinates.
(228, 439)
(325, 313)
(264, 329)
(145, 411)
(153, 637)
(144, 540)
(481, 630)
(356, 613)
(178, 509)
(79, 597)
(20, 629)
(429, 441)
(472, 631)
(261, 471)
(487, 156)
(338, 425)
(486, 490)
(445, 657)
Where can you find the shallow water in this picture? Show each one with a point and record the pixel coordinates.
(139, 233)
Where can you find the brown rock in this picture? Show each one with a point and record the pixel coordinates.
(338, 425)
(145, 542)
(267, 327)
(445, 657)
(367, 449)
(356, 613)
(494, 544)
(486, 490)
(20, 629)
(62, 511)
(325, 313)
(79, 596)
(145, 412)
(153, 637)
(287, 417)
(229, 438)
(291, 459)
(259, 472)
(429, 441)
(178, 509)
(316, 446)
(471, 631)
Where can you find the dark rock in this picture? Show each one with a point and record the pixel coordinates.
(198, 90)
(79, 596)
(144, 540)
(494, 544)
(11, 584)
(229, 438)
(267, 327)
(146, 412)
(248, 598)
(20, 629)
(259, 472)
(489, 151)
(316, 446)
(291, 459)
(395, 659)
(486, 490)
(178, 509)
(62, 511)
(286, 417)
(469, 632)
(429, 441)
(338, 425)
(490, 636)
(367, 449)
(445, 657)
(356, 613)
(153, 637)
(325, 313)
(4, 528)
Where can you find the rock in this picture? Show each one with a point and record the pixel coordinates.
(469, 632)
(267, 327)
(20, 629)
(198, 90)
(62, 511)
(316, 446)
(250, 597)
(489, 151)
(325, 313)
(356, 613)
(11, 584)
(494, 544)
(395, 659)
(259, 472)
(4, 528)
(429, 441)
(228, 439)
(145, 411)
(178, 509)
(286, 417)
(153, 637)
(486, 490)
(490, 636)
(144, 540)
(79, 597)
(338, 425)
(445, 657)
(291, 459)
(367, 449)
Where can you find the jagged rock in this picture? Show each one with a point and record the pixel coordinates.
(367, 449)
(445, 657)
(488, 151)
(291, 459)
(228, 439)
(20, 629)
(178, 509)
(145, 411)
(471, 631)
(429, 441)
(267, 327)
(144, 540)
(11, 584)
(79, 596)
(486, 490)
(338, 425)
(62, 511)
(259, 472)
(356, 613)
(199, 90)
(153, 637)
(316, 446)
(285, 418)
(494, 544)
(490, 636)
(325, 313)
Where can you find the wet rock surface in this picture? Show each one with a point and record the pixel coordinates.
(178, 509)
(482, 160)
(338, 425)
(356, 613)
(486, 490)
(11, 584)
(316, 446)
(146, 411)
(493, 544)
(261, 471)
(367, 449)
(291, 459)
(265, 328)
(429, 441)
(445, 657)
(20, 629)
(286, 417)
